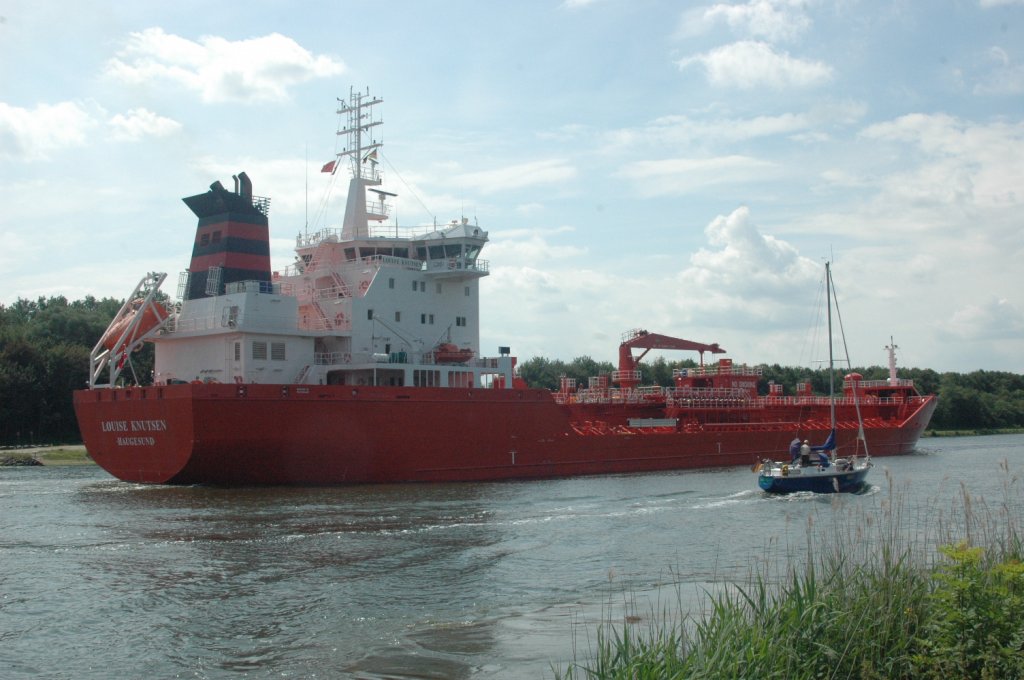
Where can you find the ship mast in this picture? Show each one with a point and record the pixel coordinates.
(891, 348)
(361, 150)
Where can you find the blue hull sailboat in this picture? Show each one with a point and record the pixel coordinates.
(821, 472)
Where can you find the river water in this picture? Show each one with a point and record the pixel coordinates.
(101, 578)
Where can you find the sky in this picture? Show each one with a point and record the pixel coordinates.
(680, 167)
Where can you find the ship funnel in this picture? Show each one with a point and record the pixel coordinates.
(246, 186)
(232, 241)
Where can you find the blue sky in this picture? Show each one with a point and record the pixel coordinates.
(681, 167)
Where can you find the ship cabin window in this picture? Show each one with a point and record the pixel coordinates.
(369, 315)
(421, 378)
(436, 252)
(402, 252)
(216, 237)
(238, 351)
(204, 240)
(277, 351)
(350, 254)
(472, 251)
(466, 291)
(460, 321)
(259, 351)
(398, 316)
(439, 289)
(421, 253)
(430, 318)
(415, 285)
(423, 318)
(453, 250)
(391, 283)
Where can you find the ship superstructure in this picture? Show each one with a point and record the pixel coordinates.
(363, 304)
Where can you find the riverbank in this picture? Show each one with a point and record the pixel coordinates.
(971, 433)
(64, 454)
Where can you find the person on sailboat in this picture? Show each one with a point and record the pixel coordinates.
(805, 454)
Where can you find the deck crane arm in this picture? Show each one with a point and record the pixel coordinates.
(641, 339)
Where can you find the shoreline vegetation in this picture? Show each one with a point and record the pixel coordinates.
(872, 594)
(64, 454)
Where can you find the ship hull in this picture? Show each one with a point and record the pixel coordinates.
(288, 434)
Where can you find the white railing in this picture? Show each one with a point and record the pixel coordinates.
(899, 382)
(701, 371)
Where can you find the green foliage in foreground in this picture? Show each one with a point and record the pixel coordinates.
(891, 611)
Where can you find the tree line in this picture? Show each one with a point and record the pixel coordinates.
(45, 346)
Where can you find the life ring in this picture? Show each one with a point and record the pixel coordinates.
(785, 471)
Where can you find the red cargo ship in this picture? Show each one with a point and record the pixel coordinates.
(360, 363)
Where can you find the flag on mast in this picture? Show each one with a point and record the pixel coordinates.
(329, 167)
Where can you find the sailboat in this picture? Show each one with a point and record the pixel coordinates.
(818, 468)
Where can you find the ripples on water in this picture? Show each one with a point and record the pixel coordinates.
(107, 579)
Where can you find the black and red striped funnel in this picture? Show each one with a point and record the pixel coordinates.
(232, 239)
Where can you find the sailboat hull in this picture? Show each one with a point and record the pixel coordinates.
(817, 482)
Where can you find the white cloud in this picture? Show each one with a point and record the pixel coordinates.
(253, 70)
(745, 263)
(517, 176)
(33, 134)
(773, 21)
(962, 162)
(674, 176)
(140, 123)
(750, 64)
(992, 319)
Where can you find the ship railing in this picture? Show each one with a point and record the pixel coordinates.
(315, 323)
(252, 286)
(456, 264)
(330, 292)
(201, 323)
(701, 371)
(378, 208)
(333, 234)
(708, 393)
(899, 382)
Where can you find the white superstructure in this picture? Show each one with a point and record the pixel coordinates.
(363, 304)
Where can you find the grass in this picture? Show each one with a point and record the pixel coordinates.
(869, 602)
(59, 455)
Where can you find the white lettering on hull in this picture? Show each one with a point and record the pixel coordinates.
(136, 441)
(134, 426)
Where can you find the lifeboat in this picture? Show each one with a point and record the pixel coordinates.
(151, 317)
(448, 353)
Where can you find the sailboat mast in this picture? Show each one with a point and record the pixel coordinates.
(831, 369)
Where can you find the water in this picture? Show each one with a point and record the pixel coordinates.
(102, 578)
